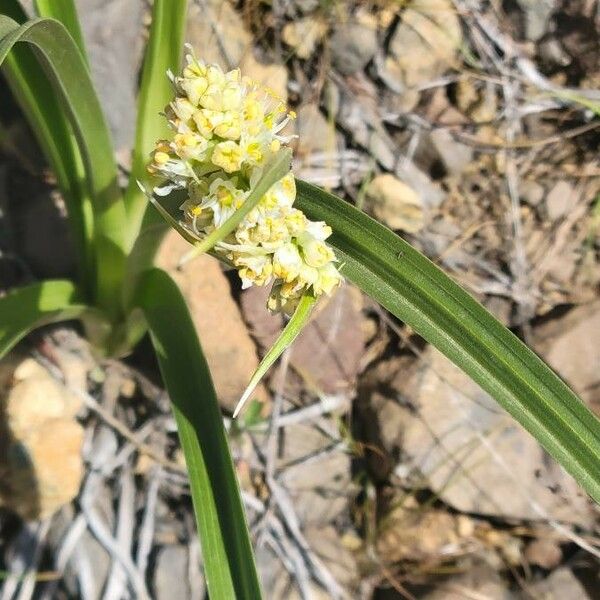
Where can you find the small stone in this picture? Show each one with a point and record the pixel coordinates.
(41, 462)
(531, 192)
(303, 35)
(560, 585)
(544, 553)
(537, 15)
(395, 204)
(352, 47)
(315, 134)
(559, 200)
(171, 573)
(413, 533)
(272, 76)
(425, 42)
(217, 33)
(564, 341)
(455, 155)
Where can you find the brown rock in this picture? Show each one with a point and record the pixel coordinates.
(473, 455)
(425, 42)
(417, 534)
(41, 444)
(272, 76)
(229, 350)
(545, 553)
(328, 351)
(395, 204)
(570, 346)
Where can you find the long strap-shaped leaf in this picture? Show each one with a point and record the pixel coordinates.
(60, 56)
(32, 89)
(163, 54)
(227, 552)
(26, 308)
(417, 292)
(65, 12)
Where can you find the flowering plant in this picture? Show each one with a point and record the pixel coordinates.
(225, 151)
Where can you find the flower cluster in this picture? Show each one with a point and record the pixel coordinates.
(227, 127)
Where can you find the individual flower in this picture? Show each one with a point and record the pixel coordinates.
(226, 128)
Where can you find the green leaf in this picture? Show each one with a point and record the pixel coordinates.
(226, 549)
(411, 287)
(163, 53)
(68, 73)
(32, 90)
(26, 308)
(294, 326)
(65, 12)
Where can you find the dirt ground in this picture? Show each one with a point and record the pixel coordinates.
(371, 467)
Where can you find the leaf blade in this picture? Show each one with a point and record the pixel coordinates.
(286, 338)
(32, 90)
(417, 292)
(28, 307)
(228, 560)
(58, 53)
(163, 54)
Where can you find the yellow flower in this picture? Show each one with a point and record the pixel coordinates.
(226, 128)
(227, 155)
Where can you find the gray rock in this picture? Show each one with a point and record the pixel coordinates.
(472, 454)
(560, 585)
(171, 574)
(113, 36)
(531, 192)
(537, 14)
(559, 199)
(454, 155)
(352, 47)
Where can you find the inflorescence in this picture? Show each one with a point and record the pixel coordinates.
(227, 127)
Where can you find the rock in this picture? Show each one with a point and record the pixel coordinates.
(560, 585)
(273, 76)
(41, 443)
(327, 353)
(394, 203)
(479, 581)
(410, 532)
(352, 46)
(559, 200)
(330, 548)
(563, 342)
(473, 455)
(229, 350)
(319, 483)
(217, 33)
(454, 155)
(113, 36)
(315, 134)
(171, 574)
(425, 42)
(303, 35)
(531, 192)
(545, 553)
(537, 15)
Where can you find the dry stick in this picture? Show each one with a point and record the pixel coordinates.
(116, 585)
(102, 533)
(63, 554)
(146, 532)
(320, 572)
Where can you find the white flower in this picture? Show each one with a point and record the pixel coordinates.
(226, 129)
